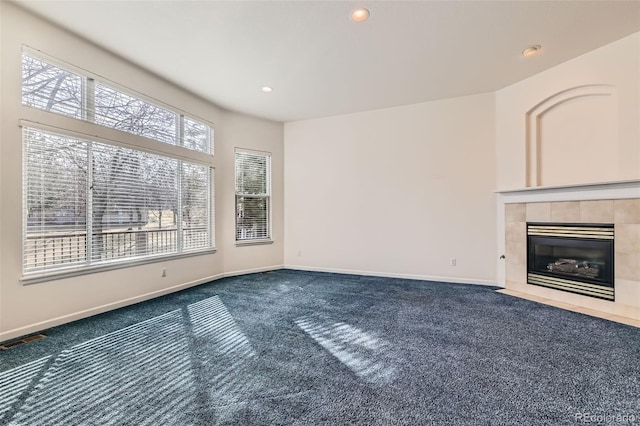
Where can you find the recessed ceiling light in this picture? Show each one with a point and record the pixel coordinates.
(267, 89)
(531, 50)
(360, 14)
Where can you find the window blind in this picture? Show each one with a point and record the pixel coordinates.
(253, 194)
(196, 204)
(55, 197)
(88, 203)
(133, 203)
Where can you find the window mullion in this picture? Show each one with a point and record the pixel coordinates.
(180, 130)
(89, 113)
(89, 205)
(90, 100)
(210, 144)
(179, 226)
(268, 194)
(212, 207)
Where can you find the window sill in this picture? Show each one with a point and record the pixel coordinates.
(253, 242)
(36, 277)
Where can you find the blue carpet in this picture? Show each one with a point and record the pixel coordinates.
(301, 348)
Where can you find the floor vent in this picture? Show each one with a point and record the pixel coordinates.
(22, 341)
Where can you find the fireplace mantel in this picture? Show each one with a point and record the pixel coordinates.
(579, 192)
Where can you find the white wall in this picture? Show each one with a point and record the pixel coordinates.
(598, 128)
(395, 192)
(27, 308)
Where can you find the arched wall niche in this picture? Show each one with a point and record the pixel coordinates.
(572, 137)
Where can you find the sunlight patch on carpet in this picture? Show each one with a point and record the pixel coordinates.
(136, 375)
(211, 319)
(13, 383)
(363, 353)
(229, 355)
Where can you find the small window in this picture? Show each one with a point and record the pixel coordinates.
(253, 195)
(197, 135)
(121, 111)
(47, 87)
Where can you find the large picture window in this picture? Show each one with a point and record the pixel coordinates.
(91, 201)
(253, 196)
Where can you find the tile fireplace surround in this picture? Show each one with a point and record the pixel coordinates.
(616, 203)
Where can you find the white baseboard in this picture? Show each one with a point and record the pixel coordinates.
(253, 270)
(43, 325)
(395, 275)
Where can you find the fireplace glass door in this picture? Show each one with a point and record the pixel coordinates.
(574, 258)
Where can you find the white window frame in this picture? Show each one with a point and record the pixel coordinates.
(86, 129)
(88, 110)
(268, 196)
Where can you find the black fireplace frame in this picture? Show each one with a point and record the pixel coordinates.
(573, 283)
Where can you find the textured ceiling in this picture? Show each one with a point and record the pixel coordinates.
(321, 63)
